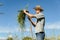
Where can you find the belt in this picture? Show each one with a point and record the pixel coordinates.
(40, 32)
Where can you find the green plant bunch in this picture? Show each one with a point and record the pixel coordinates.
(27, 38)
(10, 39)
(21, 18)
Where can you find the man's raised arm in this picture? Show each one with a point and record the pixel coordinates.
(28, 14)
(29, 17)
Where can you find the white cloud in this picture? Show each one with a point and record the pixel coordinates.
(11, 29)
(7, 29)
(55, 25)
(3, 38)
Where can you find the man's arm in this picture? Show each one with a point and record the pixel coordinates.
(32, 22)
(28, 14)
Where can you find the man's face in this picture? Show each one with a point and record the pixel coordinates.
(37, 11)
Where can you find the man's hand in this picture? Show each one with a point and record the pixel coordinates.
(28, 14)
(25, 11)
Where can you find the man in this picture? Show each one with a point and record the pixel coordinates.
(39, 26)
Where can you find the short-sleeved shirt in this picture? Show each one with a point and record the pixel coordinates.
(40, 24)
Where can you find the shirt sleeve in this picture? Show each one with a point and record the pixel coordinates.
(35, 16)
(39, 16)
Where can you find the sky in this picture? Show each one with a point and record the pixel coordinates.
(10, 8)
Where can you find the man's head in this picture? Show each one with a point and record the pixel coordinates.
(38, 9)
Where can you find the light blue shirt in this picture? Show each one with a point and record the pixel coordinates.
(40, 24)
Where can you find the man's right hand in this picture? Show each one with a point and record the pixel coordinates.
(24, 10)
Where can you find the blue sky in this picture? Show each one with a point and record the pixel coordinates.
(8, 20)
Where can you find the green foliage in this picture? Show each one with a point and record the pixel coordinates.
(10, 39)
(27, 38)
(21, 18)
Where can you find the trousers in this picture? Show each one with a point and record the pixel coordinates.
(40, 36)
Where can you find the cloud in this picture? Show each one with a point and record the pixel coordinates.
(12, 29)
(54, 25)
(8, 29)
(3, 38)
